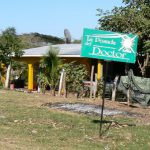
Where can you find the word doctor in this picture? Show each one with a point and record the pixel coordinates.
(113, 54)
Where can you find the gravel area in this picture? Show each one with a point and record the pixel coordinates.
(89, 109)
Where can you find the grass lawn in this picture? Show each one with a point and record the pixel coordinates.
(26, 124)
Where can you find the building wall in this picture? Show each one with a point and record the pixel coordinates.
(33, 62)
(84, 61)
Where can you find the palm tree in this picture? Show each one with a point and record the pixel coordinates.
(50, 67)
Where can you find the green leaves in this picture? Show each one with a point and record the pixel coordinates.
(50, 67)
(134, 17)
(147, 46)
(9, 45)
(75, 74)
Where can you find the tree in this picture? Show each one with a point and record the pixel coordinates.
(134, 17)
(50, 68)
(10, 45)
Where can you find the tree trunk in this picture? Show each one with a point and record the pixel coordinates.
(7, 76)
(144, 65)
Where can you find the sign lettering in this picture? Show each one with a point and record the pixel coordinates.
(109, 45)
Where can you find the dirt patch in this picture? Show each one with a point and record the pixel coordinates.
(36, 99)
(141, 115)
(90, 109)
(144, 119)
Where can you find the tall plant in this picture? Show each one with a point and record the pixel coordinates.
(50, 67)
(75, 74)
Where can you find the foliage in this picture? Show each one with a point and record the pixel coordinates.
(2, 70)
(49, 38)
(19, 70)
(75, 74)
(134, 17)
(50, 67)
(42, 81)
(1, 84)
(147, 46)
(77, 41)
(9, 45)
(100, 84)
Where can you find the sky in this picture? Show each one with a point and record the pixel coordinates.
(51, 17)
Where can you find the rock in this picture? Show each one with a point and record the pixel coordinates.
(34, 131)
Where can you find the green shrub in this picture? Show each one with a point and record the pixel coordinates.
(1, 84)
(100, 85)
(75, 75)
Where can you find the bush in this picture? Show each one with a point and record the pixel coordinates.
(49, 70)
(100, 86)
(1, 84)
(75, 74)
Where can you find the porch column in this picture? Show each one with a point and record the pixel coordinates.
(30, 77)
(99, 70)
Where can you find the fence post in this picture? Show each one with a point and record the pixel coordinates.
(114, 90)
(91, 89)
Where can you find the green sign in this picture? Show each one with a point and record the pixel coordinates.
(108, 45)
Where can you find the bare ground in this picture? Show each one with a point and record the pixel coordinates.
(42, 99)
(142, 119)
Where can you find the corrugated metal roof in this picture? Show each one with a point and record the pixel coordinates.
(65, 50)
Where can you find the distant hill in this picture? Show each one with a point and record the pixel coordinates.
(32, 40)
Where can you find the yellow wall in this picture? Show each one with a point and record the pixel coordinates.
(85, 61)
(28, 59)
(2, 73)
(32, 60)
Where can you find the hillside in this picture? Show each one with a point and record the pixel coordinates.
(36, 39)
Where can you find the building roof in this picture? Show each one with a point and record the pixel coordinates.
(65, 50)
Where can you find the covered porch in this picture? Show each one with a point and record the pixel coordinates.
(67, 52)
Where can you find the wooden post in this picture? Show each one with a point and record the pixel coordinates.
(128, 96)
(95, 86)
(129, 88)
(64, 85)
(115, 88)
(8, 76)
(92, 72)
(61, 82)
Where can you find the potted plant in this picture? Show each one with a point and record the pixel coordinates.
(12, 85)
